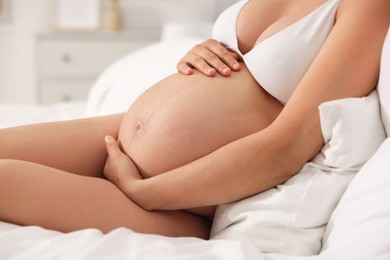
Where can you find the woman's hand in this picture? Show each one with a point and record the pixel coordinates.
(209, 58)
(120, 169)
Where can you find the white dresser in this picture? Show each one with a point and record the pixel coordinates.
(68, 64)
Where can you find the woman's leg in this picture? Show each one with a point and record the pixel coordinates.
(75, 146)
(33, 194)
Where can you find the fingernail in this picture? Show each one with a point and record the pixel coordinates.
(225, 70)
(210, 71)
(107, 139)
(236, 66)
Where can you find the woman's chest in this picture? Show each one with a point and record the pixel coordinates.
(258, 20)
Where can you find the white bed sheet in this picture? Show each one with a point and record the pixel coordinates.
(37, 243)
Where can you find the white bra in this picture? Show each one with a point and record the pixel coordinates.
(279, 62)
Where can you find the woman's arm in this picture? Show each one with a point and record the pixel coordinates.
(347, 66)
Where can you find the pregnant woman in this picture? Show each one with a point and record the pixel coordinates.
(239, 118)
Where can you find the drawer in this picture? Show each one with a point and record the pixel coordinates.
(53, 91)
(82, 58)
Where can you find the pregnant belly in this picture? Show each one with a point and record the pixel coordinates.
(183, 118)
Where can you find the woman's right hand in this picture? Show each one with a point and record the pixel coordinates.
(209, 57)
(120, 169)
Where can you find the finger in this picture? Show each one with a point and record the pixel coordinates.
(227, 57)
(112, 146)
(235, 55)
(235, 65)
(215, 62)
(198, 63)
(218, 57)
(203, 58)
(184, 68)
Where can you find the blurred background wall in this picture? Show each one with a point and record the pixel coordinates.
(22, 20)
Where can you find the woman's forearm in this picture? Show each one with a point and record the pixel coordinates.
(238, 170)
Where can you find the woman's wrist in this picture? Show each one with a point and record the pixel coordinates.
(138, 192)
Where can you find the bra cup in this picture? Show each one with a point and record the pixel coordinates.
(279, 62)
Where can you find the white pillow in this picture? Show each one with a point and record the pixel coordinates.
(121, 83)
(291, 218)
(343, 138)
(384, 84)
(359, 228)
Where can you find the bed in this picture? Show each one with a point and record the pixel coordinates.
(337, 207)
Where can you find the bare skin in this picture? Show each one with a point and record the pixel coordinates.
(167, 127)
(183, 142)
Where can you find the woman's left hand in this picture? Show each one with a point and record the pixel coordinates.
(120, 169)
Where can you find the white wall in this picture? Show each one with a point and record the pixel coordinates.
(6, 66)
(153, 13)
(17, 50)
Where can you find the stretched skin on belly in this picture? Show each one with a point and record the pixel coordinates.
(183, 118)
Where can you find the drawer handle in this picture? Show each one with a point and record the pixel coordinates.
(65, 58)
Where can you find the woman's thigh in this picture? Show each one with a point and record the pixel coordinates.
(33, 194)
(75, 146)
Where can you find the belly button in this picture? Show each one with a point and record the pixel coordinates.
(138, 126)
